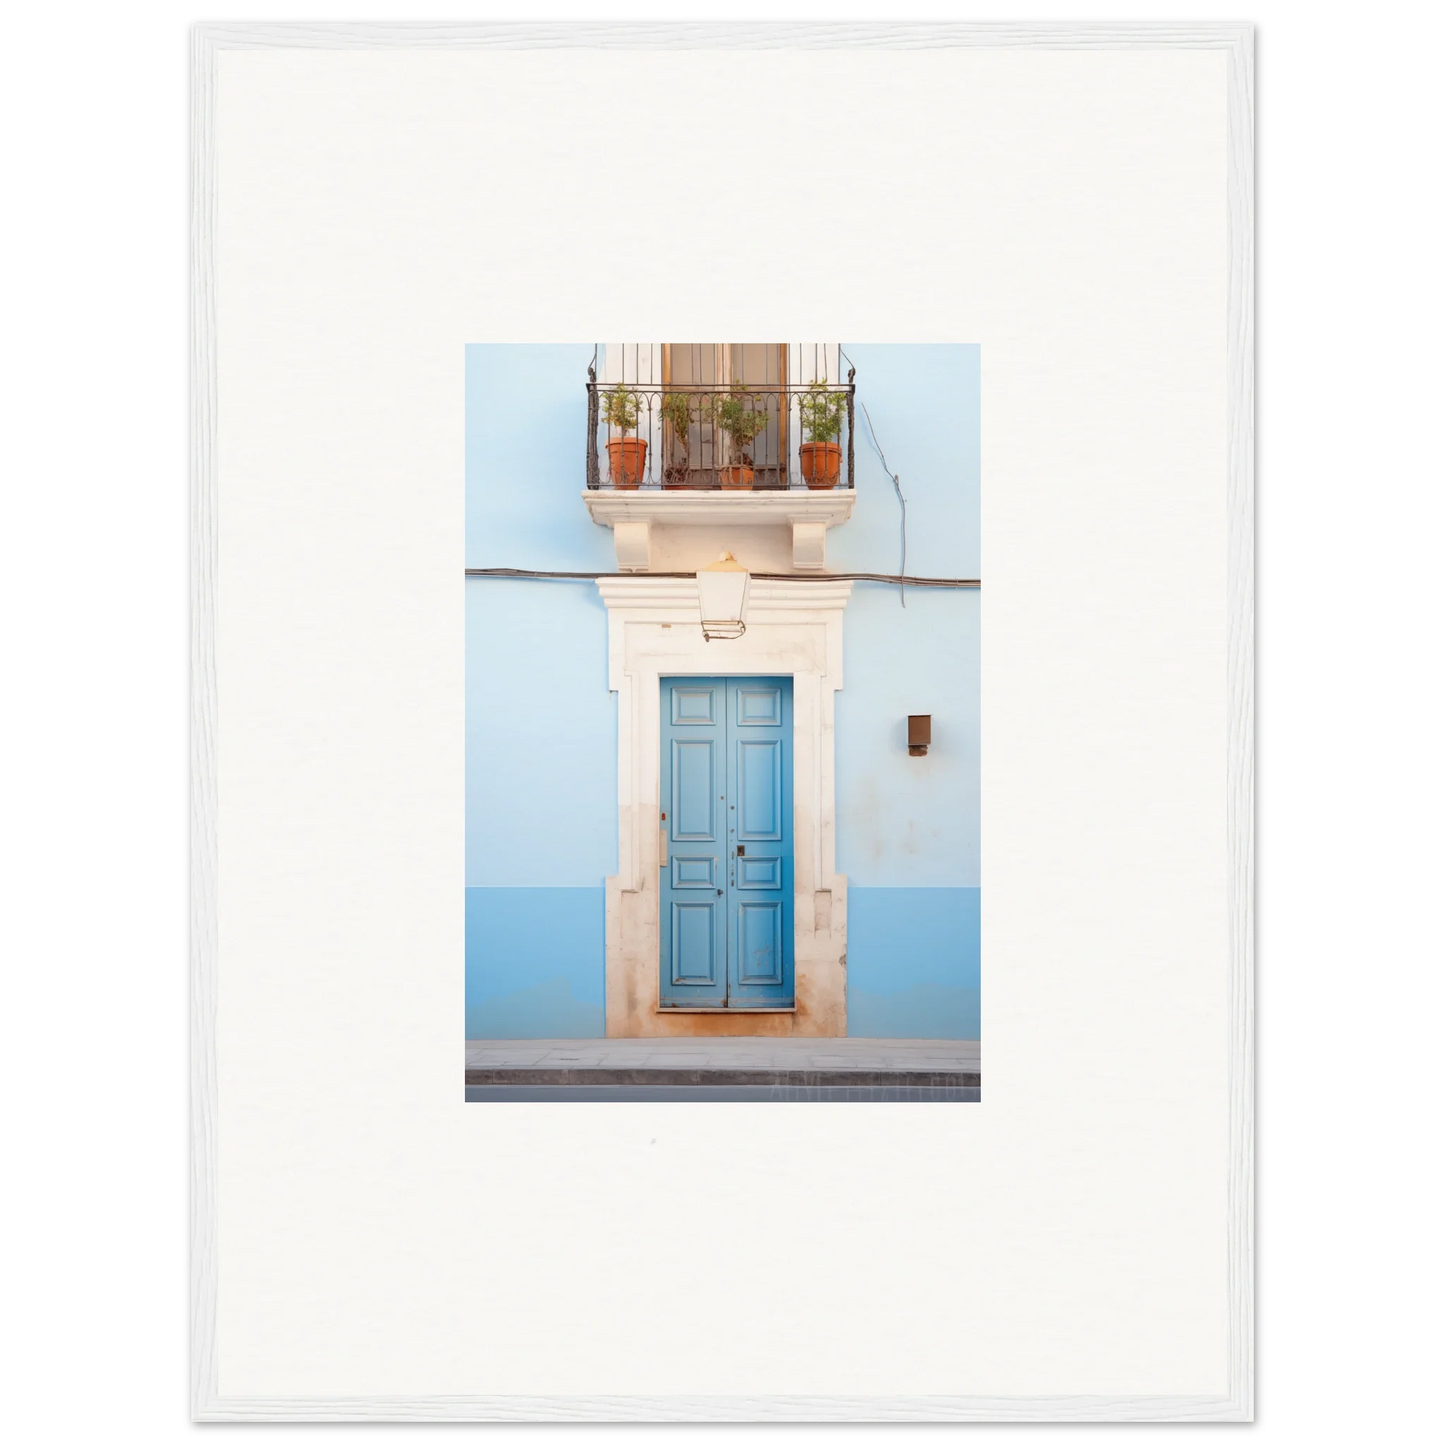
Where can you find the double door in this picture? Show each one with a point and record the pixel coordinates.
(709, 370)
(726, 847)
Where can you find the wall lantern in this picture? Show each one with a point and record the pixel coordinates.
(920, 734)
(722, 596)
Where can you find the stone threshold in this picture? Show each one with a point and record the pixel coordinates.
(727, 1013)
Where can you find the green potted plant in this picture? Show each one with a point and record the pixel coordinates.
(677, 412)
(626, 455)
(738, 417)
(821, 413)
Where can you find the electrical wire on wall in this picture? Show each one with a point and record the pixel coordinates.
(898, 490)
(902, 507)
(963, 583)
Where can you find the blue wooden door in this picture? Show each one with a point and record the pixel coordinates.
(726, 910)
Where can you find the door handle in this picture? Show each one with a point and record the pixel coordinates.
(741, 851)
(662, 845)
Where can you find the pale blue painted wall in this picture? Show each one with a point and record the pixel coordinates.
(924, 402)
(535, 963)
(908, 828)
(913, 964)
(526, 437)
(541, 737)
(541, 724)
(907, 822)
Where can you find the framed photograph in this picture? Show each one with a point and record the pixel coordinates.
(767, 886)
(631, 776)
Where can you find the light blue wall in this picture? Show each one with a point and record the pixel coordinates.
(913, 965)
(906, 822)
(541, 724)
(526, 441)
(908, 828)
(535, 963)
(541, 736)
(542, 729)
(924, 402)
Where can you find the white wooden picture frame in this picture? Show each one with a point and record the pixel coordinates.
(322, 580)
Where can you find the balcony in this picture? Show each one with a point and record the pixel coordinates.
(696, 448)
(736, 438)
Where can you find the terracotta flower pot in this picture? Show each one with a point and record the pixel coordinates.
(736, 479)
(820, 462)
(626, 459)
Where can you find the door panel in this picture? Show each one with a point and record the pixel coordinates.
(760, 872)
(760, 948)
(694, 872)
(727, 884)
(694, 705)
(694, 943)
(759, 706)
(694, 790)
(759, 791)
(693, 883)
(760, 839)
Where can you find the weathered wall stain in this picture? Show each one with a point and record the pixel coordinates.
(906, 821)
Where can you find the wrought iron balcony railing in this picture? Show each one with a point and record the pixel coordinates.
(719, 438)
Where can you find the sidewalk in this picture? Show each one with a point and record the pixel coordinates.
(758, 1067)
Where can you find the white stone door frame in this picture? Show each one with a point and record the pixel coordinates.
(794, 629)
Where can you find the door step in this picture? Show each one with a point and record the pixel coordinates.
(730, 1012)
